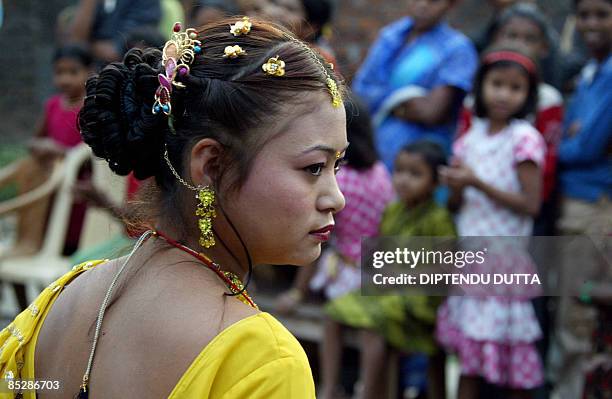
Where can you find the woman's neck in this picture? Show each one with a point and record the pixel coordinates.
(230, 259)
(415, 33)
(412, 36)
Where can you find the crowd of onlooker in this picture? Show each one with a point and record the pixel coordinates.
(508, 133)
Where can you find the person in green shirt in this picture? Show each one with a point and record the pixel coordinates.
(402, 322)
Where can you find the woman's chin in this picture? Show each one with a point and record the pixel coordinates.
(316, 256)
(304, 257)
(308, 257)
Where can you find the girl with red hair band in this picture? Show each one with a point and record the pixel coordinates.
(495, 182)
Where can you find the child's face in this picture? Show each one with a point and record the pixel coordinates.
(427, 13)
(504, 91)
(70, 76)
(413, 178)
(523, 32)
(594, 22)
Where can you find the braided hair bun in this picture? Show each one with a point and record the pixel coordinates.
(116, 119)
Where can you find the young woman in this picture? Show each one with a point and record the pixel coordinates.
(243, 144)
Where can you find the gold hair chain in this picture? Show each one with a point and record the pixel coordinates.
(175, 173)
(329, 81)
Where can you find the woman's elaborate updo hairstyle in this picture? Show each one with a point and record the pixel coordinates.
(232, 101)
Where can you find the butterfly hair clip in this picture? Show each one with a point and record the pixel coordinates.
(178, 53)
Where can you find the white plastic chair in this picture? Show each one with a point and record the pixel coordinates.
(41, 269)
(27, 212)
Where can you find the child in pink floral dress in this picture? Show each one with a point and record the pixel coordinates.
(495, 180)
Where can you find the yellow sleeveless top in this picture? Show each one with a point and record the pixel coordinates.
(256, 357)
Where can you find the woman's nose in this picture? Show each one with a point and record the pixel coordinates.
(332, 200)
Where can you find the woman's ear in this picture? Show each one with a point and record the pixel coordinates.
(205, 161)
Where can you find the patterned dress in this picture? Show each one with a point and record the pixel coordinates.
(494, 335)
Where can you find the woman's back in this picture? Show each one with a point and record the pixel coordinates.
(158, 320)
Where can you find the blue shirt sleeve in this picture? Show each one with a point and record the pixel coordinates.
(371, 82)
(591, 141)
(458, 67)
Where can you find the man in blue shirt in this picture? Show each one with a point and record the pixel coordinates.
(584, 152)
(585, 160)
(415, 77)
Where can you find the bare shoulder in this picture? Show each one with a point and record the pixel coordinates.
(188, 304)
(165, 315)
(184, 297)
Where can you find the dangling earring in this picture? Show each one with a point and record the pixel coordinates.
(206, 211)
(206, 205)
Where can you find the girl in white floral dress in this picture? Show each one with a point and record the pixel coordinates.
(495, 180)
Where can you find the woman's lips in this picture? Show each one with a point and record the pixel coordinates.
(326, 229)
(324, 233)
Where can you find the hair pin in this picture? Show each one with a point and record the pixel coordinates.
(233, 51)
(242, 27)
(332, 86)
(177, 54)
(333, 90)
(274, 67)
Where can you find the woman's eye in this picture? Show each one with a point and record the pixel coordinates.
(339, 163)
(315, 169)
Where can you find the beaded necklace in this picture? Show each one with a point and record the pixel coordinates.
(232, 280)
